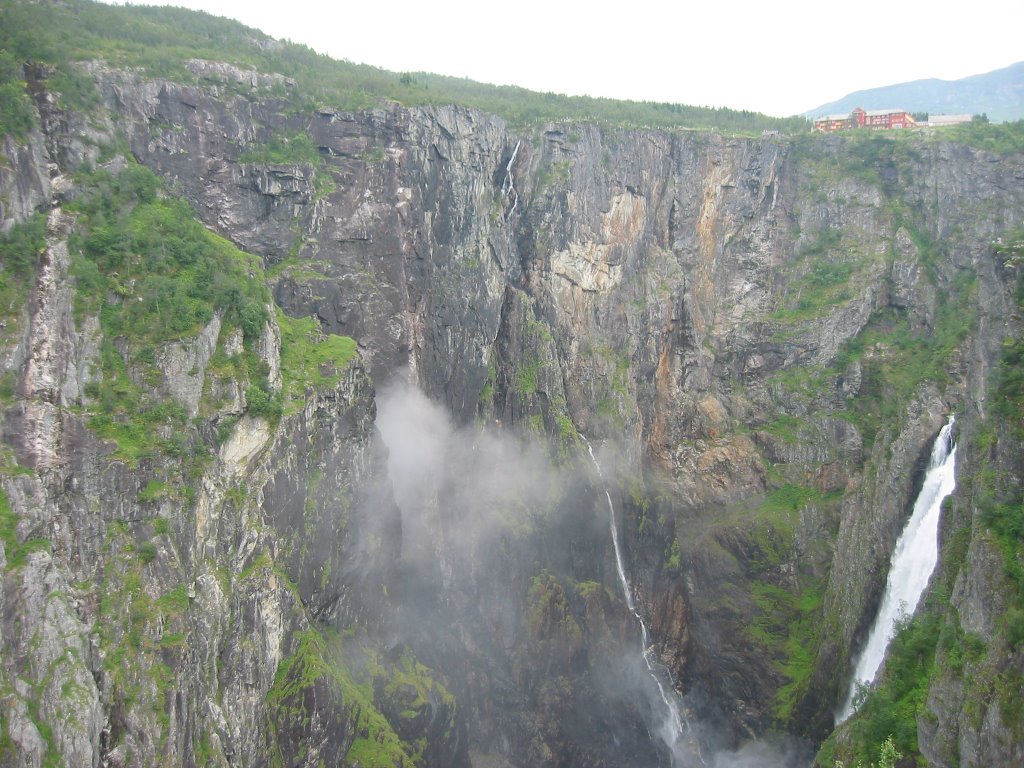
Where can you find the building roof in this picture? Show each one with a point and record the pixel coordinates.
(869, 112)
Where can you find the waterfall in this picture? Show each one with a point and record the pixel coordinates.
(673, 726)
(912, 564)
(508, 186)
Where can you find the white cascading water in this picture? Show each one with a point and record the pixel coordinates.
(508, 186)
(913, 561)
(673, 726)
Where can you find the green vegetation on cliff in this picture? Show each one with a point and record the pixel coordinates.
(17, 116)
(897, 359)
(1001, 491)
(283, 149)
(154, 276)
(891, 710)
(789, 628)
(821, 278)
(16, 550)
(933, 647)
(1002, 138)
(317, 664)
(169, 273)
(894, 353)
(380, 695)
(788, 619)
(19, 250)
(310, 358)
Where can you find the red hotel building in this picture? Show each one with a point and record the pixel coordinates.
(876, 119)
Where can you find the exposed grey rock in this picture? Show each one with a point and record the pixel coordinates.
(183, 365)
(24, 181)
(31, 749)
(979, 591)
(219, 70)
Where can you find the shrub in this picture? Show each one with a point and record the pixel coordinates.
(261, 402)
(147, 552)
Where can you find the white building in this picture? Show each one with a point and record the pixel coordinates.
(935, 121)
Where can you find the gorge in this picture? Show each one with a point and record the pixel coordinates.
(294, 396)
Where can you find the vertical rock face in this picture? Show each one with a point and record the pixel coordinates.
(24, 182)
(727, 318)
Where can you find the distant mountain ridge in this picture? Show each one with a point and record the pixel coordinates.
(999, 94)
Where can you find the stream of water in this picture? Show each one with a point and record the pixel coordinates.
(912, 564)
(508, 186)
(673, 726)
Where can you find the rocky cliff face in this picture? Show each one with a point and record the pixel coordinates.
(760, 336)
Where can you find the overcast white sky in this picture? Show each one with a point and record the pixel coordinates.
(779, 57)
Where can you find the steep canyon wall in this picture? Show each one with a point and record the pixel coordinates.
(763, 336)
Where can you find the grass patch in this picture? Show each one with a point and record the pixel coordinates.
(310, 358)
(175, 602)
(827, 268)
(284, 150)
(15, 549)
(780, 505)
(526, 377)
(787, 428)
(155, 490)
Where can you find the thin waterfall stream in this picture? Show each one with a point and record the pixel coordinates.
(674, 725)
(508, 186)
(913, 561)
